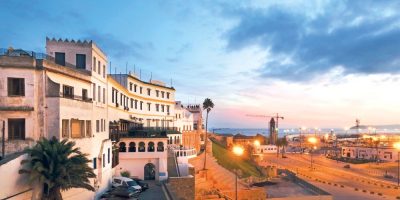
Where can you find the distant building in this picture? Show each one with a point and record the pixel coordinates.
(370, 153)
(265, 149)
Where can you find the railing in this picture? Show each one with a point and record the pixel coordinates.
(38, 56)
(74, 97)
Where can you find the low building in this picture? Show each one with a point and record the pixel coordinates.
(144, 155)
(370, 153)
(263, 149)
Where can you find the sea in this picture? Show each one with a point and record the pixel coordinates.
(380, 129)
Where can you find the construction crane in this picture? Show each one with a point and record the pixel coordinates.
(277, 117)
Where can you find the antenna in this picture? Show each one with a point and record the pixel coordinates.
(140, 74)
(115, 71)
(151, 76)
(134, 69)
(126, 68)
(171, 82)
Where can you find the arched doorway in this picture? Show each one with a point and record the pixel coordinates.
(149, 172)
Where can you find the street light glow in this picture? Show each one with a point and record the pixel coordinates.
(256, 143)
(312, 140)
(238, 150)
(397, 145)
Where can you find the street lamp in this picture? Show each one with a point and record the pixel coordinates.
(397, 146)
(238, 151)
(312, 141)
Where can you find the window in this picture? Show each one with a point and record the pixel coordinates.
(149, 106)
(94, 91)
(157, 93)
(130, 86)
(97, 126)
(104, 71)
(141, 105)
(148, 91)
(94, 64)
(101, 125)
(16, 86)
(65, 128)
(160, 146)
(132, 147)
(141, 90)
(94, 163)
(84, 94)
(99, 93)
(150, 147)
(112, 96)
(68, 91)
(142, 147)
(122, 147)
(104, 95)
(98, 65)
(16, 129)
(162, 108)
(167, 95)
(108, 155)
(60, 58)
(88, 128)
(135, 87)
(81, 61)
(77, 128)
(167, 109)
(136, 104)
(162, 94)
(131, 103)
(157, 107)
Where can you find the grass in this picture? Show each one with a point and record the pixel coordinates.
(229, 161)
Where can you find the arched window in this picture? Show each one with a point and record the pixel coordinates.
(142, 147)
(150, 147)
(132, 147)
(177, 154)
(184, 153)
(122, 147)
(179, 140)
(170, 140)
(174, 139)
(160, 146)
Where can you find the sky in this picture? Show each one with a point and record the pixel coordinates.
(317, 63)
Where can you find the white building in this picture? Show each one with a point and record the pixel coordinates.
(48, 96)
(263, 149)
(370, 153)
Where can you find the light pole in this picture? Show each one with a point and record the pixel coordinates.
(312, 141)
(397, 146)
(3, 139)
(238, 151)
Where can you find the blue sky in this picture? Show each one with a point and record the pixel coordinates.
(319, 63)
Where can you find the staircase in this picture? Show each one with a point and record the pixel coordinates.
(172, 166)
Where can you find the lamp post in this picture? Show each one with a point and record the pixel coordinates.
(312, 141)
(3, 139)
(397, 146)
(238, 151)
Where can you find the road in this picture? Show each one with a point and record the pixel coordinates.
(332, 177)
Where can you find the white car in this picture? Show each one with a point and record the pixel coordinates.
(126, 182)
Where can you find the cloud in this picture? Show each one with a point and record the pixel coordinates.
(362, 37)
(119, 48)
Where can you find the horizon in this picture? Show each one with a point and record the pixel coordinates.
(319, 64)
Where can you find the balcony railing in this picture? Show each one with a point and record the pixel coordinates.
(75, 97)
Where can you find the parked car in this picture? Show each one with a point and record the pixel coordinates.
(142, 184)
(126, 182)
(125, 192)
(346, 166)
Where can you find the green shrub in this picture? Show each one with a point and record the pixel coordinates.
(126, 174)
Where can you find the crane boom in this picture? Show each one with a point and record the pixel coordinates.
(277, 117)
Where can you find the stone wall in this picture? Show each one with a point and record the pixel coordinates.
(247, 194)
(14, 146)
(182, 188)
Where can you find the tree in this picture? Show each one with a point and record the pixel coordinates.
(57, 165)
(207, 105)
(281, 142)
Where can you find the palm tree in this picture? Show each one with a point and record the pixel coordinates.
(281, 142)
(207, 105)
(57, 165)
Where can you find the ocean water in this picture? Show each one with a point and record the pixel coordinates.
(283, 132)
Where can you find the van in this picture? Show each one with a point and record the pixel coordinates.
(125, 182)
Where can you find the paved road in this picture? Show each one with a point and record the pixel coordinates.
(328, 173)
(154, 192)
